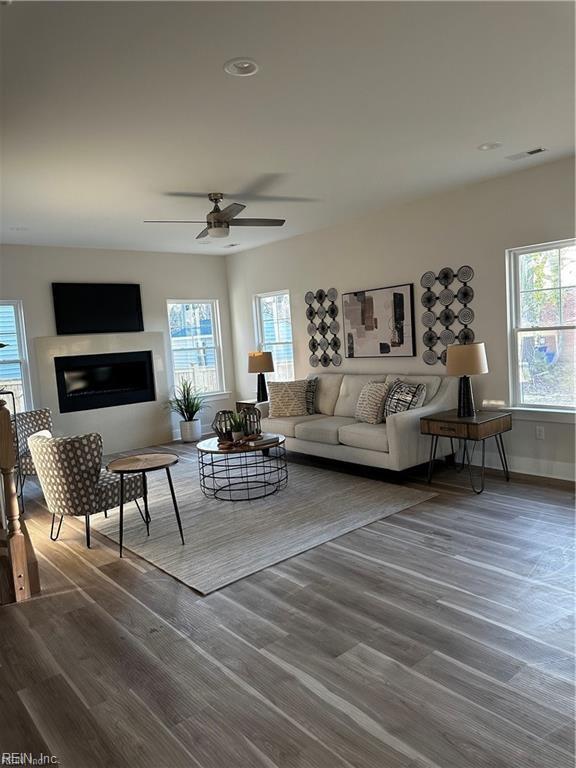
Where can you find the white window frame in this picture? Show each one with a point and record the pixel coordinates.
(23, 360)
(515, 327)
(221, 390)
(258, 327)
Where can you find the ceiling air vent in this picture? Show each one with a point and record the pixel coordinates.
(528, 153)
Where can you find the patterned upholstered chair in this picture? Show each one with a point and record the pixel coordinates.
(73, 480)
(27, 424)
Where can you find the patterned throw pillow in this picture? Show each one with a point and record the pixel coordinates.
(311, 394)
(287, 398)
(370, 405)
(403, 397)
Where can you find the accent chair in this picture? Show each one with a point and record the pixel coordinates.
(27, 424)
(75, 483)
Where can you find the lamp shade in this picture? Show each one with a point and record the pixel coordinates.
(260, 362)
(466, 359)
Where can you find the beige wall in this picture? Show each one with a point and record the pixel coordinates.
(26, 272)
(472, 225)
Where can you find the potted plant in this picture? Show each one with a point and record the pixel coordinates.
(188, 403)
(238, 425)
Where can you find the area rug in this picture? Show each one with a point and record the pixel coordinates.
(226, 541)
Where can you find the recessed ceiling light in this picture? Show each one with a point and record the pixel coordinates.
(227, 245)
(241, 67)
(527, 153)
(487, 146)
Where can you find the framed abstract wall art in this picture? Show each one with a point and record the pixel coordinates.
(379, 322)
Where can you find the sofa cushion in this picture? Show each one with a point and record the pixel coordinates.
(327, 392)
(287, 398)
(350, 391)
(373, 437)
(370, 405)
(324, 430)
(311, 387)
(403, 397)
(432, 383)
(285, 426)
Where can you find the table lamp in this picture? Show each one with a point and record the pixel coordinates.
(466, 360)
(261, 363)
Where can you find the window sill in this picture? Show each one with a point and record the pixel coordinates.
(218, 396)
(525, 413)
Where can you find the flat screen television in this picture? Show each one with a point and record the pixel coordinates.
(97, 307)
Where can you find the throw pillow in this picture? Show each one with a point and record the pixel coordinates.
(370, 405)
(403, 397)
(287, 398)
(311, 394)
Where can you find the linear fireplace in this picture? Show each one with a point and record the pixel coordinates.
(86, 382)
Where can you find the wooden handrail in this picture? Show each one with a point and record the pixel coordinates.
(19, 577)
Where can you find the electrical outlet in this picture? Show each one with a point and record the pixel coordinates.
(540, 432)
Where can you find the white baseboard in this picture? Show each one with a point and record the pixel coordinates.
(525, 465)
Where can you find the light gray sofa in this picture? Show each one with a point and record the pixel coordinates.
(334, 433)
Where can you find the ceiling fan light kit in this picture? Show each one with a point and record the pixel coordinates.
(218, 230)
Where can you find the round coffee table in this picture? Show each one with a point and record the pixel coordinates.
(141, 464)
(245, 473)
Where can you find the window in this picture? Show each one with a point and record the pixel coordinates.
(274, 332)
(14, 375)
(542, 309)
(196, 345)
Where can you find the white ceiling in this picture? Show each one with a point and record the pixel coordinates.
(107, 106)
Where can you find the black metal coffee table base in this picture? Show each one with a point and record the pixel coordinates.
(243, 475)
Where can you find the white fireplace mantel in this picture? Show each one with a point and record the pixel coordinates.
(123, 427)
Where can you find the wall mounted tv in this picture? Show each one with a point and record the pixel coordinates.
(97, 307)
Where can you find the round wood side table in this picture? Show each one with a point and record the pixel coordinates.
(143, 463)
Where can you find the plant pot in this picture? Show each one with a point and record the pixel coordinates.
(237, 436)
(191, 431)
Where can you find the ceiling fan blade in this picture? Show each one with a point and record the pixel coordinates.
(174, 221)
(252, 192)
(277, 199)
(228, 213)
(257, 222)
(260, 184)
(255, 190)
(203, 233)
(202, 195)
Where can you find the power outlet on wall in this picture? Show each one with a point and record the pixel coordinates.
(540, 435)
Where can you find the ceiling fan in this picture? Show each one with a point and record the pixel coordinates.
(219, 221)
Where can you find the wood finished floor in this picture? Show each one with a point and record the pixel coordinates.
(440, 637)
